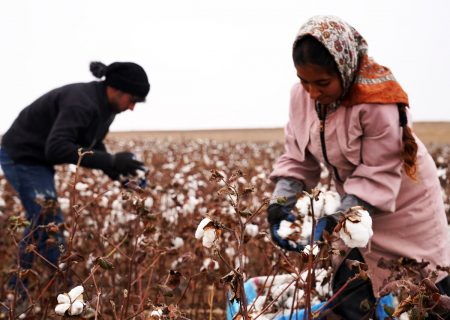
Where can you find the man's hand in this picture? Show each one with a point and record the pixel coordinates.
(140, 181)
(112, 174)
(126, 164)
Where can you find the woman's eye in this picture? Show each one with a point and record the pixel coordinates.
(323, 84)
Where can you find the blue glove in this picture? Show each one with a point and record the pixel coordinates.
(276, 214)
(325, 223)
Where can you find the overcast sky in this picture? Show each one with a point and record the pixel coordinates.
(212, 64)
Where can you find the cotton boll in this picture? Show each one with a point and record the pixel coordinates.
(190, 205)
(116, 205)
(170, 215)
(280, 290)
(332, 202)
(61, 308)
(357, 234)
(64, 203)
(360, 237)
(242, 180)
(76, 308)
(289, 302)
(71, 302)
(63, 298)
(306, 228)
(76, 293)
(404, 316)
(320, 276)
(177, 243)
(81, 186)
(200, 229)
(157, 313)
(116, 189)
(303, 204)
(220, 164)
(259, 303)
(230, 252)
(180, 198)
(318, 205)
(252, 229)
(366, 220)
(324, 173)
(288, 228)
(209, 237)
(245, 261)
(314, 251)
(104, 202)
(210, 264)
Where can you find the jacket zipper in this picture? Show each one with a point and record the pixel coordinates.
(322, 115)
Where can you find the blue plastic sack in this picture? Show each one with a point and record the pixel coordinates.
(251, 294)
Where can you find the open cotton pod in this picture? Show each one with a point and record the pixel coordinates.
(355, 227)
(71, 302)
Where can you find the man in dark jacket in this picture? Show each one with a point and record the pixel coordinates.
(52, 129)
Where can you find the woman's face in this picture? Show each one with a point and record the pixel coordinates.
(319, 83)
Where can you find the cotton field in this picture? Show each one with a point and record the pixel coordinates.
(182, 246)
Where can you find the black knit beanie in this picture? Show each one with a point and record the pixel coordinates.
(128, 77)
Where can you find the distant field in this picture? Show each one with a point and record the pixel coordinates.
(428, 132)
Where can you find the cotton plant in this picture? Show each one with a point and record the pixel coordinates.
(355, 227)
(71, 303)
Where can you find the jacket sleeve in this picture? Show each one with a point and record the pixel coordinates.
(295, 163)
(61, 145)
(377, 179)
(99, 146)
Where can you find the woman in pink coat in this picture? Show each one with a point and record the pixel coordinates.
(349, 113)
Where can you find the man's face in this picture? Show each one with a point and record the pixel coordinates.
(122, 101)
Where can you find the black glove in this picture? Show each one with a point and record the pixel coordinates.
(140, 182)
(276, 214)
(112, 174)
(125, 163)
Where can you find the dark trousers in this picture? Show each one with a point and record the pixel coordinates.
(35, 185)
(353, 302)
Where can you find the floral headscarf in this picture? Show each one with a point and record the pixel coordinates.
(363, 80)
